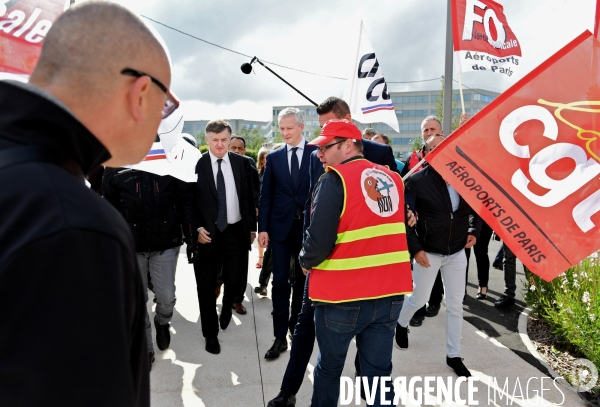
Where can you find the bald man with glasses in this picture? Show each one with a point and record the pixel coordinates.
(75, 331)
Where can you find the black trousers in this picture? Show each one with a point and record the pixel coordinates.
(481, 255)
(226, 253)
(284, 319)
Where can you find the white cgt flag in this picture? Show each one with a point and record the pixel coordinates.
(367, 92)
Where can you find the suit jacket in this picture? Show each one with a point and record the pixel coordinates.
(278, 198)
(375, 152)
(206, 204)
(255, 181)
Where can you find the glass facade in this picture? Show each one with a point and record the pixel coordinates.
(413, 113)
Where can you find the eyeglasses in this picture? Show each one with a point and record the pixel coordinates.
(322, 149)
(170, 104)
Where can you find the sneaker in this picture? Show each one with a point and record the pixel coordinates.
(163, 336)
(262, 290)
(457, 366)
(402, 337)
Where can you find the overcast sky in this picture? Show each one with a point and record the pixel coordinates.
(321, 37)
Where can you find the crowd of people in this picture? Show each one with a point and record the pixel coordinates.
(340, 235)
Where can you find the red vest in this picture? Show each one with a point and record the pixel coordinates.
(415, 158)
(370, 258)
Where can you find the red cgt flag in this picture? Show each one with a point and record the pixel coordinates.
(483, 41)
(23, 27)
(529, 162)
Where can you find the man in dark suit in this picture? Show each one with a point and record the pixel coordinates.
(283, 195)
(238, 145)
(304, 333)
(226, 228)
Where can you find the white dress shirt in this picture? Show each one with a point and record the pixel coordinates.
(233, 204)
(299, 153)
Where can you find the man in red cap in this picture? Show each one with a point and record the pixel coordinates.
(357, 232)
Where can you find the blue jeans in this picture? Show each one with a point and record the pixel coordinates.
(161, 266)
(373, 322)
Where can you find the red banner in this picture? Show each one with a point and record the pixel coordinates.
(597, 20)
(482, 39)
(23, 27)
(528, 163)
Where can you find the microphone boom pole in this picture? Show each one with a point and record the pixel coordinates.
(245, 68)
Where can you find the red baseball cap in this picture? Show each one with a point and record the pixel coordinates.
(337, 128)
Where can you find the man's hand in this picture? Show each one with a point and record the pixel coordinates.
(411, 220)
(463, 119)
(305, 271)
(263, 239)
(421, 259)
(470, 241)
(191, 251)
(203, 236)
(252, 237)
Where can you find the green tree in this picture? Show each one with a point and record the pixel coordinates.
(277, 138)
(200, 138)
(417, 143)
(316, 133)
(254, 139)
(439, 108)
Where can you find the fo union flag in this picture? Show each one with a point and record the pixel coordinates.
(483, 41)
(529, 162)
(23, 27)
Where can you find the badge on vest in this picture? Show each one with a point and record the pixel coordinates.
(380, 192)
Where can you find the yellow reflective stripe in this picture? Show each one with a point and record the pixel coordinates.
(375, 260)
(371, 231)
(330, 168)
(359, 299)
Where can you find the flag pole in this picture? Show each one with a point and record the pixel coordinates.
(353, 74)
(447, 112)
(462, 100)
(413, 169)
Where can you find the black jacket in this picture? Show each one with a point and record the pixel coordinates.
(156, 208)
(206, 205)
(438, 229)
(73, 331)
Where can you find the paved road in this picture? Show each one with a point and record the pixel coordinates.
(186, 375)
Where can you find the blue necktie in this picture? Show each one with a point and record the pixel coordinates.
(295, 168)
(295, 172)
(221, 199)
